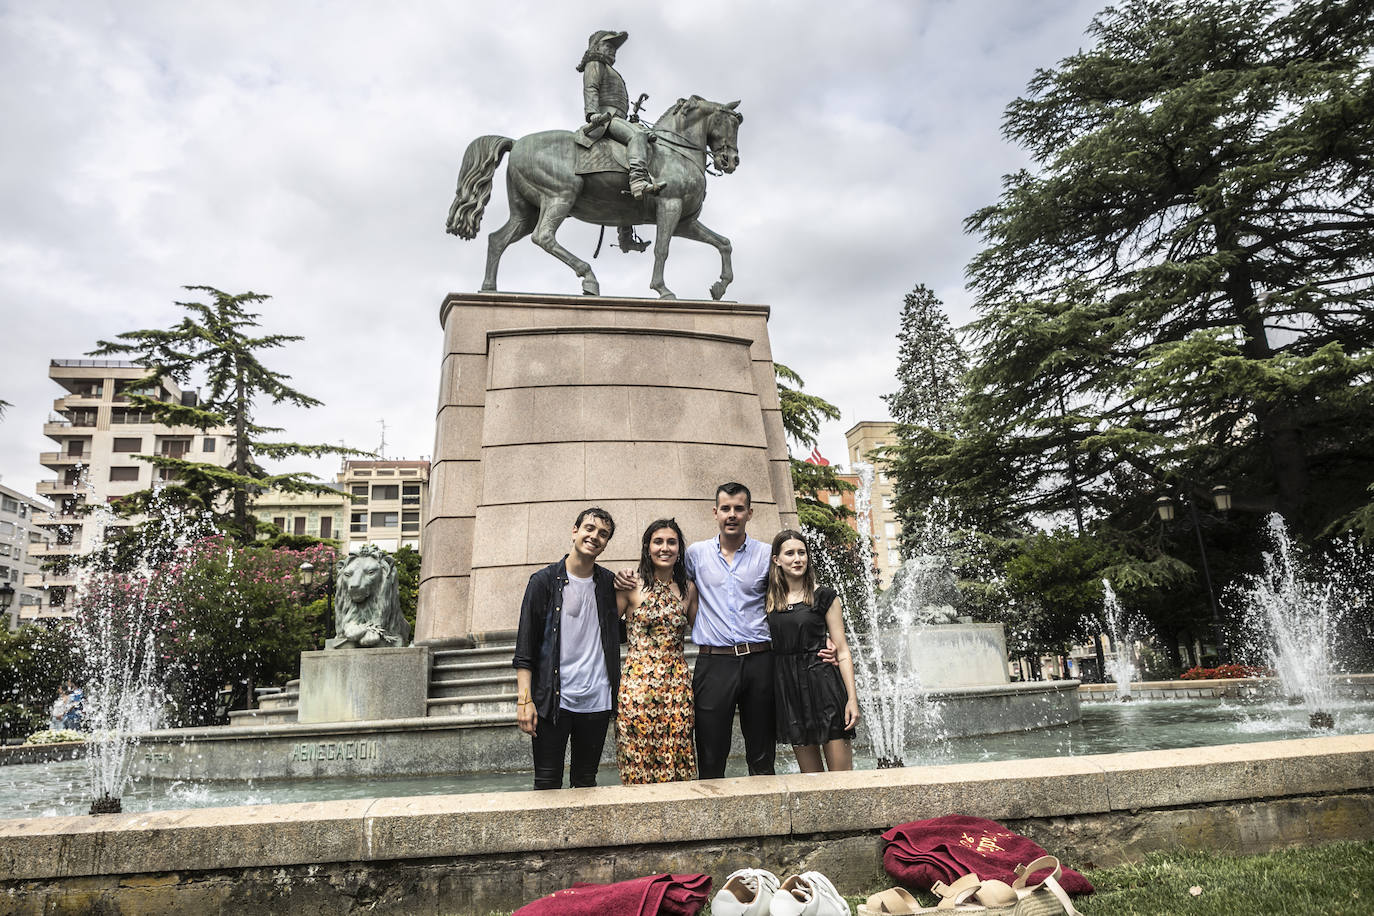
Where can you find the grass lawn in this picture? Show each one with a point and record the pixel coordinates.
(1334, 880)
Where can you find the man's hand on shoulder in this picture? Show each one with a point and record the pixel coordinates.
(627, 580)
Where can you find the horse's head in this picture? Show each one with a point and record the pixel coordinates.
(710, 125)
(722, 135)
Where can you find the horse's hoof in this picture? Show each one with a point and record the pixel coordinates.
(667, 294)
(591, 288)
(488, 288)
(717, 290)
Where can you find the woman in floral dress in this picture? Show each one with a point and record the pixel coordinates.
(654, 724)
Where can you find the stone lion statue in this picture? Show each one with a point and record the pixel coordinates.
(367, 602)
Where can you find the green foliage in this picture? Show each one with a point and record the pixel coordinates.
(1057, 574)
(227, 615)
(408, 581)
(216, 341)
(802, 415)
(1181, 289)
(34, 662)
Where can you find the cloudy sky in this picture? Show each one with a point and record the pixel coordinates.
(308, 150)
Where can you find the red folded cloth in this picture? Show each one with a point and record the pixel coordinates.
(672, 895)
(945, 848)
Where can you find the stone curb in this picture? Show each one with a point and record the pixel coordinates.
(730, 809)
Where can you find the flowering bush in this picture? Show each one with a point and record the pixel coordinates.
(216, 613)
(1199, 673)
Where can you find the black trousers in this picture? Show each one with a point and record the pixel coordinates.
(587, 733)
(721, 684)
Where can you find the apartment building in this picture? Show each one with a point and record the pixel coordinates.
(316, 515)
(99, 435)
(22, 549)
(389, 503)
(862, 440)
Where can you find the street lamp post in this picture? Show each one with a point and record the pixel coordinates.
(1221, 495)
(6, 600)
(307, 576)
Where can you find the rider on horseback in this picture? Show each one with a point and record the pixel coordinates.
(607, 105)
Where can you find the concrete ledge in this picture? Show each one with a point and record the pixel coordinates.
(1241, 688)
(730, 811)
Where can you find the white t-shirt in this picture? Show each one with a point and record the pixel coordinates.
(584, 686)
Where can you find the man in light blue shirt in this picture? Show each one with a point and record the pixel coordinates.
(735, 665)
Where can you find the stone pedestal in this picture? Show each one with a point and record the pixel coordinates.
(549, 404)
(959, 655)
(356, 685)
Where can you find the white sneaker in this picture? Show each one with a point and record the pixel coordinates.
(808, 894)
(747, 892)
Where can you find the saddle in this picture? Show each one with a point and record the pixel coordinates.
(605, 154)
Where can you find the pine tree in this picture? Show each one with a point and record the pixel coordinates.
(216, 342)
(930, 365)
(1181, 293)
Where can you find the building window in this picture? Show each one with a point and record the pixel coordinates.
(358, 523)
(327, 526)
(129, 417)
(359, 491)
(123, 473)
(410, 522)
(128, 443)
(298, 525)
(887, 502)
(84, 416)
(408, 472)
(175, 448)
(390, 491)
(8, 504)
(890, 530)
(893, 558)
(362, 473)
(207, 444)
(386, 473)
(384, 519)
(279, 521)
(836, 499)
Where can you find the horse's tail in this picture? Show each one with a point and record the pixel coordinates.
(474, 184)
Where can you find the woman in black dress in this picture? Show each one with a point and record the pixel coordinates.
(816, 703)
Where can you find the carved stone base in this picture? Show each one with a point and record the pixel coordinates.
(356, 685)
(550, 404)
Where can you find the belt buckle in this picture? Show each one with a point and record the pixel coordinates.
(748, 649)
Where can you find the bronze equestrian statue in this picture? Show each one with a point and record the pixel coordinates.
(554, 174)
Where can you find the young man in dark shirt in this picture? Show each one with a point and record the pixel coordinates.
(567, 657)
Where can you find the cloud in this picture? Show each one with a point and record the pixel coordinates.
(309, 151)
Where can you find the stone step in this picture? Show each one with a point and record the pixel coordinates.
(449, 667)
(500, 706)
(469, 687)
(281, 715)
(279, 700)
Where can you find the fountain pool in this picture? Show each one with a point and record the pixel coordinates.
(53, 789)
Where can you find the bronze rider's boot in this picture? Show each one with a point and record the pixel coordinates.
(641, 182)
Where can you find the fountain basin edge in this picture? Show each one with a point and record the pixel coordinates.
(484, 852)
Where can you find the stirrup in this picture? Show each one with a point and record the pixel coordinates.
(641, 186)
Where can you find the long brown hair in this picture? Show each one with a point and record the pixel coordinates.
(777, 580)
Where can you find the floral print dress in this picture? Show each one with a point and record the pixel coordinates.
(654, 724)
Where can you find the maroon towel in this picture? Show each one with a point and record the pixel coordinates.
(944, 848)
(673, 895)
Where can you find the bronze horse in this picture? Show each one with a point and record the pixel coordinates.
(544, 190)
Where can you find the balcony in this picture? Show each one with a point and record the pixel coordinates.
(58, 460)
(50, 580)
(54, 550)
(71, 401)
(57, 488)
(44, 612)
(47, 519)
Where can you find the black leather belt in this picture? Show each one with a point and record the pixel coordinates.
(744, 648)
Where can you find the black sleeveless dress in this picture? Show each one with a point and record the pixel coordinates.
(809, 694)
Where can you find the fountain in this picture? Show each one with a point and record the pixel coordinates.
(925, 673)
(1124, 632)
(121, 617)
(1295, 620)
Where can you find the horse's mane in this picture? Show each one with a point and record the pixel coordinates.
(682, 105)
